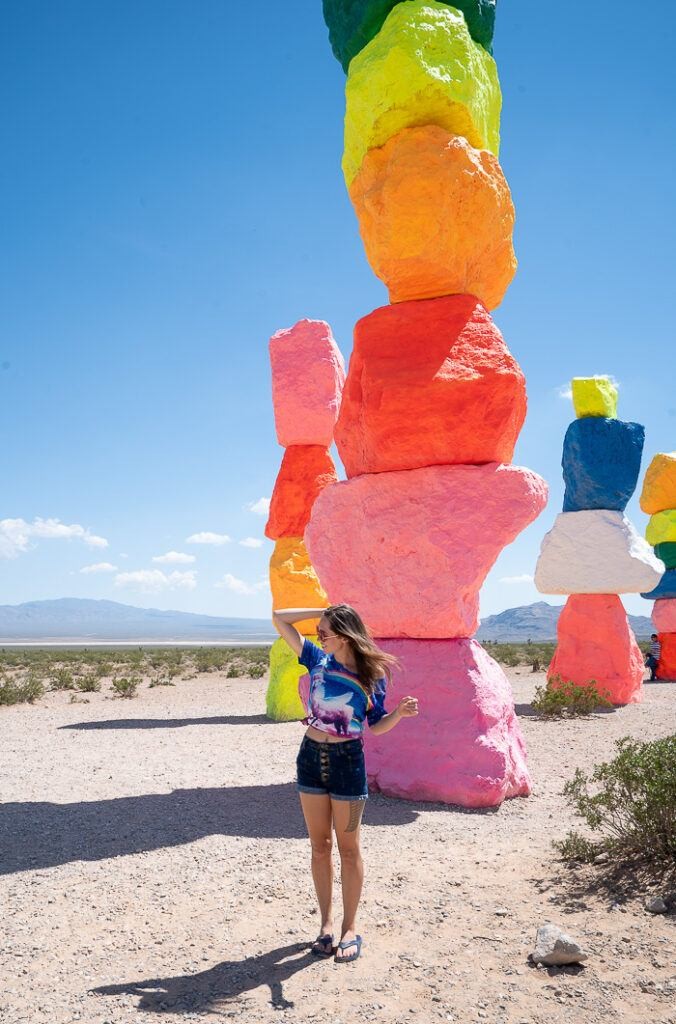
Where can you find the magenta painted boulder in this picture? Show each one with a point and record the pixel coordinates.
(411, 549)
(596, 644)
(465, 746)
(664, 615)
(308, 374)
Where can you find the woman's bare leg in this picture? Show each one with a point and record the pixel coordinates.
(347, 822)
(317, 812)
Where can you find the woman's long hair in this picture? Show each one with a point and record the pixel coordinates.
(372, 663)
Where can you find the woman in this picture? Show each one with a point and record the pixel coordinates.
(348, 679)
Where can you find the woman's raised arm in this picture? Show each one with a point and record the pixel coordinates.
(283, 619)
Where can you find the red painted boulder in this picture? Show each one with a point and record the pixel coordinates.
(666, 668)
(664, 615)
(411, 549)
(596, 642)
(429, 383)
(308, 373)
(465, 746)
(306, 470)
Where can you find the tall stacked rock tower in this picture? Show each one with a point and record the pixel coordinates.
(308, 374)
(433, 401)
(593, 552)
(658, 500)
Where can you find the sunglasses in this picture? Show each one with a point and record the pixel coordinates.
(321, 635)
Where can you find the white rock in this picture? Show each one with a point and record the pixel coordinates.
(595, 552)
(553, 947)
(656, 905)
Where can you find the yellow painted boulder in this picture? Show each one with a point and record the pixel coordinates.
(422, 68)
(282, 701)
(662, 527)
(659, 486)
(594, 396)
(436, 217)
(293, 581)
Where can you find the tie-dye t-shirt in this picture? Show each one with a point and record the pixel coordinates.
(337, 702)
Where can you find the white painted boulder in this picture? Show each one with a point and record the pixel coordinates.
(595, 551)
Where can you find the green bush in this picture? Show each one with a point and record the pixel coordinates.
(24, 690)
(62, 679)
(257, 670)
(89, 682)
(127, 686)
(630, 801)
(559, 699)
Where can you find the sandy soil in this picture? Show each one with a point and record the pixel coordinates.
(154, 866)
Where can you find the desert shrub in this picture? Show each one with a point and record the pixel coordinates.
(576, 847)
(126, 686)
(630, 801)
(234, 671)
(62, 679)
(89, 682)
(24, 690)
(161, 680)
(257, 670)
(559, 699)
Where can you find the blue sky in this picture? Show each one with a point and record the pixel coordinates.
(171, 195)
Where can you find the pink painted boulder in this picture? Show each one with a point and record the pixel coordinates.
(411, 549)
(465, 746)
(664, 615)
(308, 374)
(596, 642)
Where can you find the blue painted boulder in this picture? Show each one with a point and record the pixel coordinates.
(665, 588)
(601, 462)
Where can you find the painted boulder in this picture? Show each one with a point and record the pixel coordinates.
(664, 615)
(436, 217)
(306, 470)
(667, 554)
(666, 588)
(666, 668)
(595, 552)
(282, 699)
(354, 23)
(294, 582)
(430, 383)
(465, 746)
(601, 462)
(659, 484)
(423, 67)
(308, 373)
(596, 644)
(661, 527)
(411, 549)
(594, 396)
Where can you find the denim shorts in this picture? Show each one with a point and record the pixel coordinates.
(334, 768)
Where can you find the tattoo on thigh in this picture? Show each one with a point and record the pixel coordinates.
(356, 810)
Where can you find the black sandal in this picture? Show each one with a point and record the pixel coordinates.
(346, 945)
(323, 946)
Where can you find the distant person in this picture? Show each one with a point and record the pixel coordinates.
(348, 680)
(653, 657)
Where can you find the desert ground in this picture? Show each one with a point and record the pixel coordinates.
(154, 866)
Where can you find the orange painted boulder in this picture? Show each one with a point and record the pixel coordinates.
(294, 582)
(596, 642)
(659, 485)
(410, 550)
(666, 668)
(436, 217)
(429, 383)
(306, 470)
(664, 615)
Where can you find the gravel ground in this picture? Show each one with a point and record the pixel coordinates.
(154, 865)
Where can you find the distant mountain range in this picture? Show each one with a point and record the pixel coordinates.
(81, 620)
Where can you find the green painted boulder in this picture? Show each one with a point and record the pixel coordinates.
(667, 552)
(353, 23)
(282, 702)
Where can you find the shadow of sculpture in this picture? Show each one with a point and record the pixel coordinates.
(169, 723)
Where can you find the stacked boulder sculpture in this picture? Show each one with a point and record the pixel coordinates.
(308, 374)
(433, 401)
(658, 500)
(593, 553)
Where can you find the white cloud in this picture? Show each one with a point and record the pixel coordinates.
(230, 582)
(154, 580)
(260, 507)
(99, 567)
(252, 542)
(17, 535)
(523, 578)
(174, 558)
(205, 537)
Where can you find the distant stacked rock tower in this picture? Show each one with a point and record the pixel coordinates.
(658, 500)
(593, 552)
(308, 374)
(434, 401)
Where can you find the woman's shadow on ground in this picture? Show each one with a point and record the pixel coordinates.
(225, 982)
